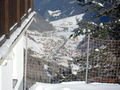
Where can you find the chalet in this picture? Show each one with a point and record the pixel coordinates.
(15, 18)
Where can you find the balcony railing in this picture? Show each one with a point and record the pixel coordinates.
(12, 12)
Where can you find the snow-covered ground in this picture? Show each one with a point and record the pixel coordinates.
(66, 25)
(75, 86)
(54, 13)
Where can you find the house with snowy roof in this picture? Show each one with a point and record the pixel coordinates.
(15, 18)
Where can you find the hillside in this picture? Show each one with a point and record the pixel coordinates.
(57, 9)
(54, 57)
(48, 46)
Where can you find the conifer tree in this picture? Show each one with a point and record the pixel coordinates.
(104, 21)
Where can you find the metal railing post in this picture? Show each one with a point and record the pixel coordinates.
(25, 64)
(87, 62)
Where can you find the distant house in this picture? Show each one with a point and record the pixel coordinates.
(15, 18)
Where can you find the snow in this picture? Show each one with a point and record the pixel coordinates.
(2, 37)
(64, 64)
(67, 58)
(65, 26)
(56, 44)
(34, 46)
(64, 8)
(97, 50)
(13, 26)
(64, 33)
(4, 49)
(100, 4)
(72, 2)
(54, 13)
(75, 67)
(68, 22)
(75, 86)
(103, 47)
(46, 67)
(52, 44)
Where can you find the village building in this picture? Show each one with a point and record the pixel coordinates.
(15, 18)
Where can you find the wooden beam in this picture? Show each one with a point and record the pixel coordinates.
(17, 13)
(26, 7)
(30, 4)
(6, 18)
(1, 18)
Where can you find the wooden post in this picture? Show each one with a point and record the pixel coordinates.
(31, 4)
(6, 18)
(17, 14)
(26, 8)
(1, 18)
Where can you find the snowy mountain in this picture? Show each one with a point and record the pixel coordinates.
(54, 37)
(52, 48)
(51, 53)
(57, 9)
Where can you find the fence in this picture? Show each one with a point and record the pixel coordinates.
(11, 14)
(103, 60)
(98, 61)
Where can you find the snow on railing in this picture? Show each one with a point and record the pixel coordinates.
(4, 49)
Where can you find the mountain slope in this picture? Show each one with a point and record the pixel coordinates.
(48, 47)
(60, 8)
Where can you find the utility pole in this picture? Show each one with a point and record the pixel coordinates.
(25, 62)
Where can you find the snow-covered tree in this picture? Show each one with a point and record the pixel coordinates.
(103, 19)
(103, 22)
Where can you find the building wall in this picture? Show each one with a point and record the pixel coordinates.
(6, 75)
(13, 67)
(18, 62)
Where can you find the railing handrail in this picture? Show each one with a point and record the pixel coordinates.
(12, 13)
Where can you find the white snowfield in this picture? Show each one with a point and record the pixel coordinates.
(75, 86)
(54, 13)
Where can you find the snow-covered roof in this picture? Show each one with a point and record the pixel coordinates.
(5, 48)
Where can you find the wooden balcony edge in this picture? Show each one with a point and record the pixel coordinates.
(14, 27)
(3, 57)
